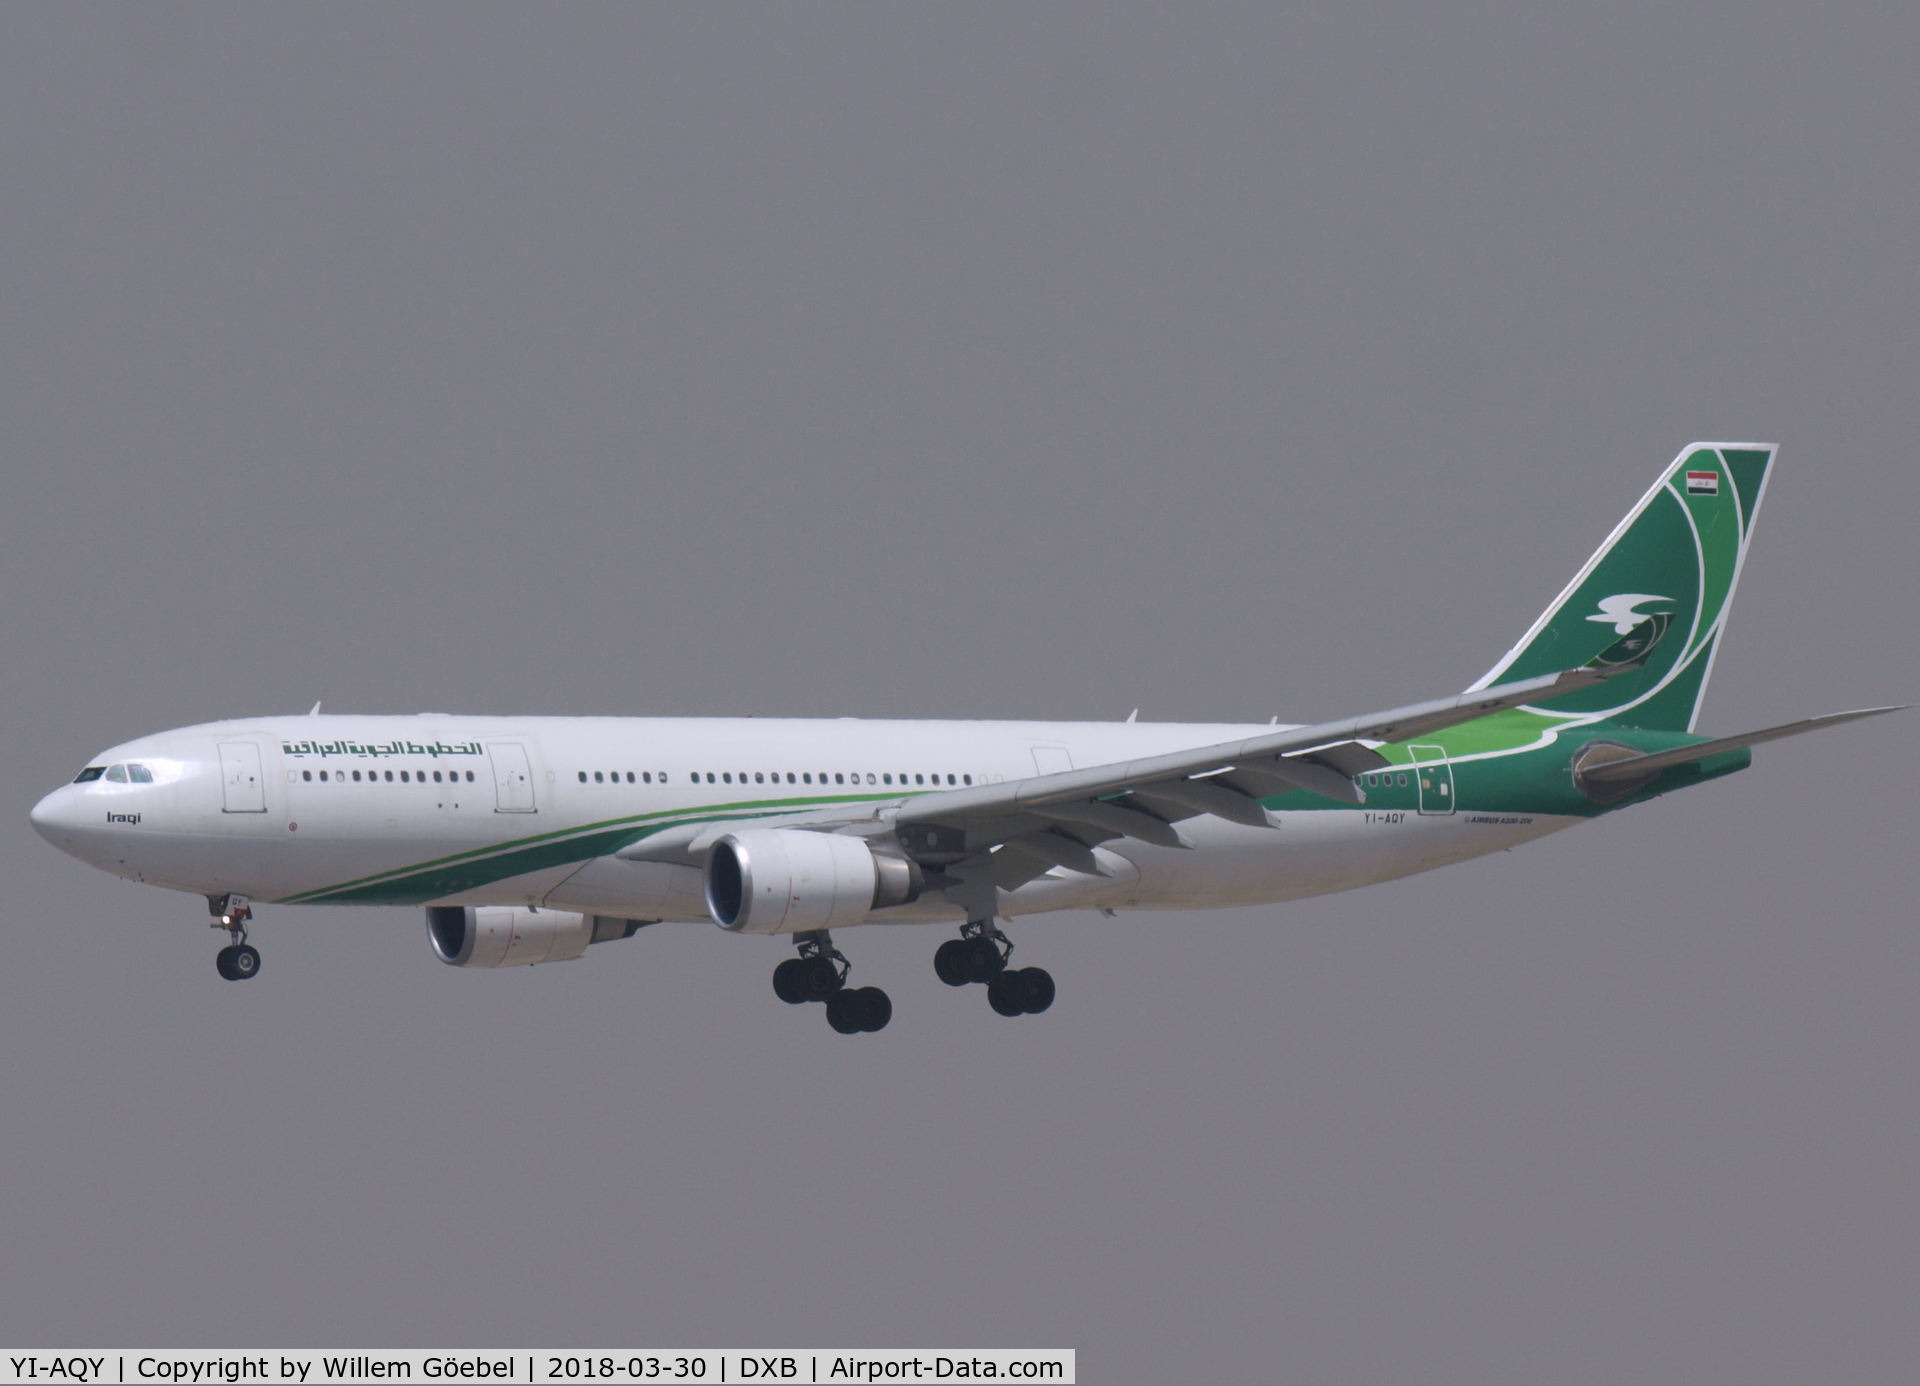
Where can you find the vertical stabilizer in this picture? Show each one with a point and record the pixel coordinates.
(1672, 563)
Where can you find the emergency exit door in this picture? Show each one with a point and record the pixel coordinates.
(1436, 779)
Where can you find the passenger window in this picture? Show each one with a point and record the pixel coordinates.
(922, 779)
(356, 777)
(759, 777)
(646, 777)
(598, 778)
(323, 777)
(403, 777)
(629, 777)
(583, 777)
(436, 777)
(469, 776)
(869, 777)
(949, 779)
(90, 774)
(116, 774)
(887, 778)
(727, 776)
(306, 775)
(1403, 781)
(967, 778)
(789, 777)
(709, 777)
(389, 777)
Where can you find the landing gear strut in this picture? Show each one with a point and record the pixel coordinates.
(820, 974)
(239, 960)
(980, 954)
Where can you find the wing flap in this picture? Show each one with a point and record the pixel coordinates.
(1038, 853)
(1119, 820)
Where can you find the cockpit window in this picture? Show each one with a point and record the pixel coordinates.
(92, 772)
(116, 774)
(139, 774)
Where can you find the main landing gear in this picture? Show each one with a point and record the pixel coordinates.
(239, 960)
(820, 974)
(980, 955)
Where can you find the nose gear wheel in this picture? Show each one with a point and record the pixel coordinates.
(239, 960)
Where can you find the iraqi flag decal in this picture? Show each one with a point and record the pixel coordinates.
(1703, 483)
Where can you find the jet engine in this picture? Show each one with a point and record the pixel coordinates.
(494, 936)
(789, 881)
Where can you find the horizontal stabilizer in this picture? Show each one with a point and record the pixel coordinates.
(1640, 767)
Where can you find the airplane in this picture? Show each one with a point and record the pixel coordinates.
(529, 839)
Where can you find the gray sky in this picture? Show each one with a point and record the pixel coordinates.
(960, 361)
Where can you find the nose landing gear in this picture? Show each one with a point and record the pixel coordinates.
(980, 954)
(239, 960)
(820, 974)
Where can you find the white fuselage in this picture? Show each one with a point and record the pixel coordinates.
(530, 810)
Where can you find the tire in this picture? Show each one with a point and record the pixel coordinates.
(950, 963)
(819, 979)
(1036, 989)
(983, 959)
(223, 962)
(1004, 994)
(874, 1008)
(246, 962)
(786, 982)
(843, 1012)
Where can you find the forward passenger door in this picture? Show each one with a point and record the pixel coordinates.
(512, 777)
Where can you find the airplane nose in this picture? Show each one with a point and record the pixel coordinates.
(53, 818)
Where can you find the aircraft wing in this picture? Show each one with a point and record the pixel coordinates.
(1021, 829)
(1057, 819)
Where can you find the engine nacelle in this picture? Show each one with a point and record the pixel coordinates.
(497, 936)
(789, 881)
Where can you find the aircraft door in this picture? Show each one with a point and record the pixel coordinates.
(242, 789)
(512, 777)
(1436, 779)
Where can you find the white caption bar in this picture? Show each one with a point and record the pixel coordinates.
(706, 1366)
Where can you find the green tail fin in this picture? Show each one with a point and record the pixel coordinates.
(1676, 555)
